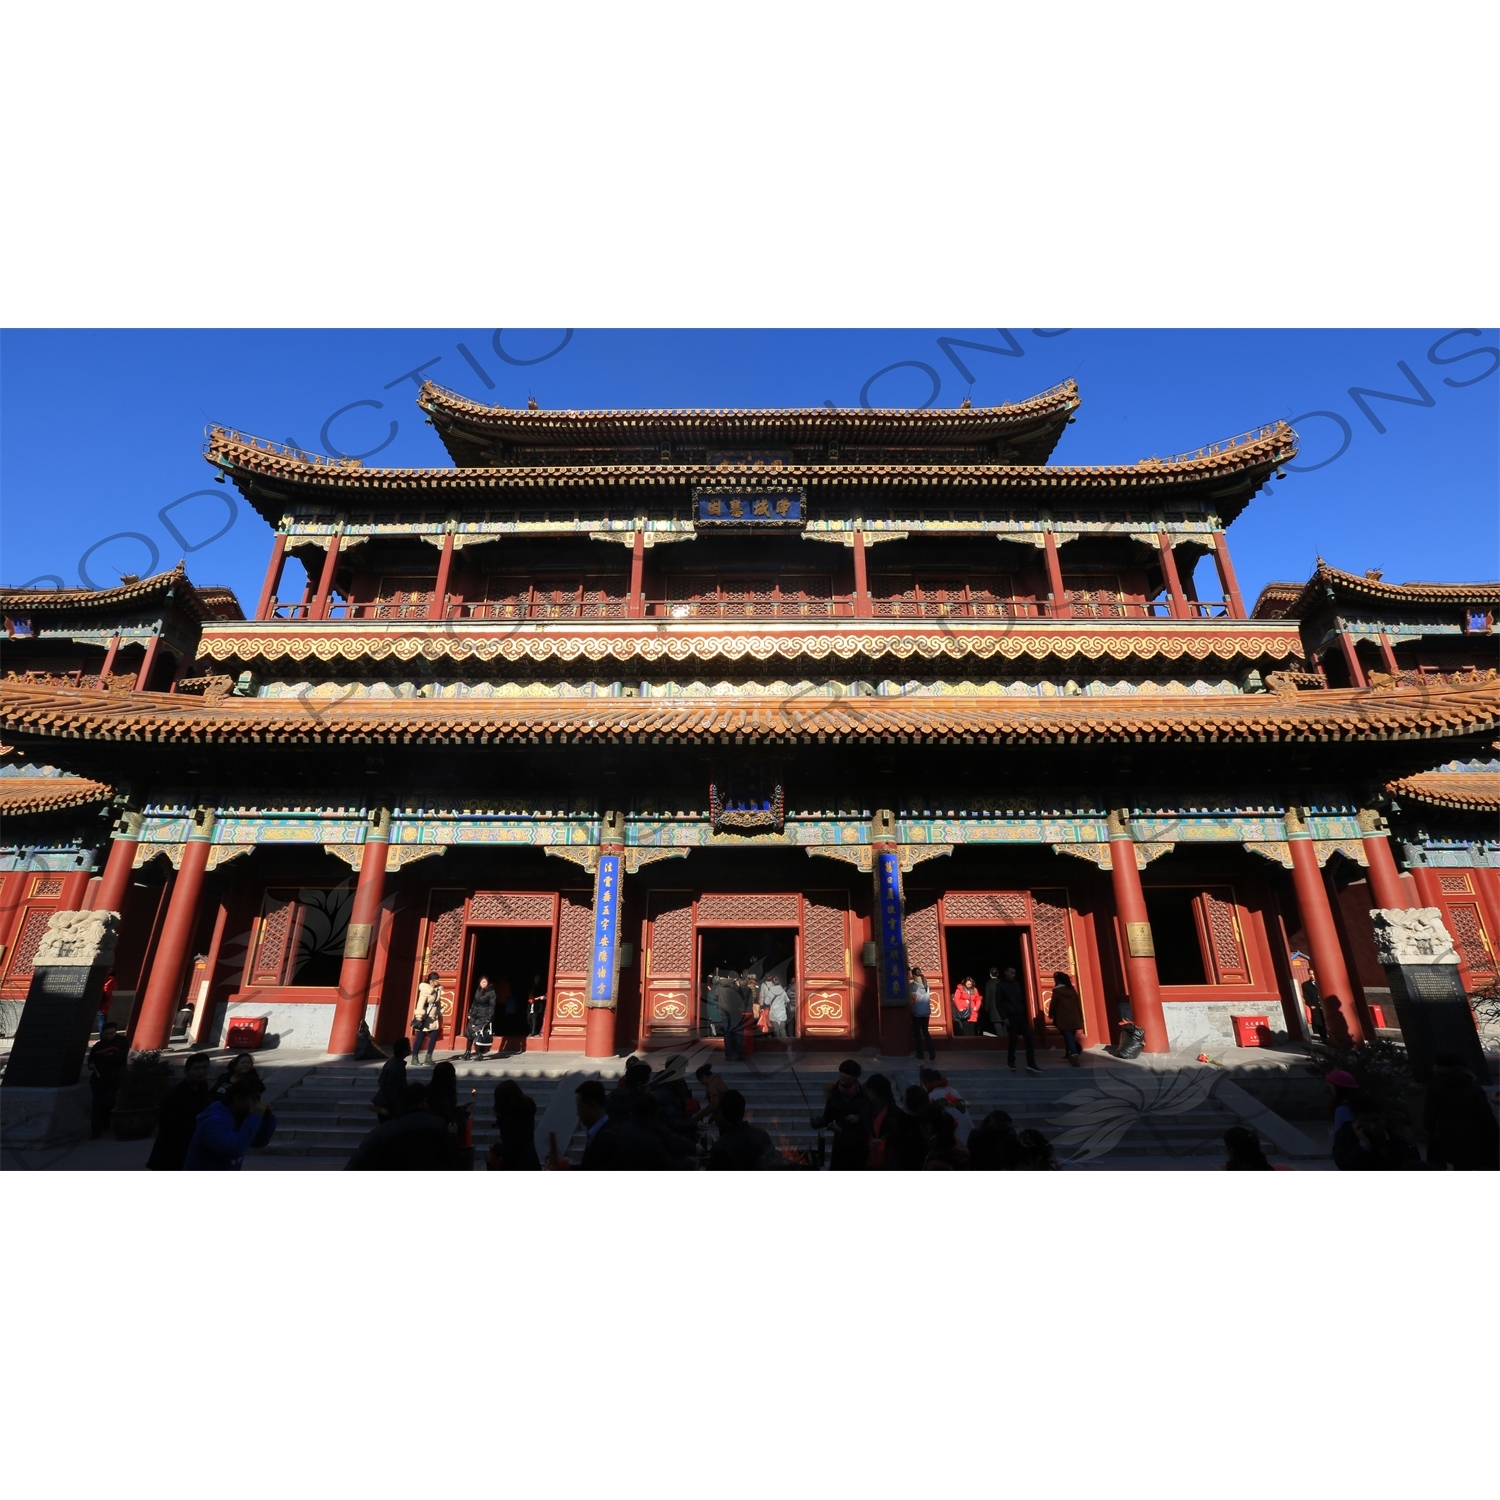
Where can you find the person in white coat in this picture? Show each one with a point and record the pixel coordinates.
(426, 1019)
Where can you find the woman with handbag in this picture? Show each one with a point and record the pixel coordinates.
(426, 1019)
(966, 1003)
(479, 1029)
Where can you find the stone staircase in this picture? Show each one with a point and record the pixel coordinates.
(1129, 1112)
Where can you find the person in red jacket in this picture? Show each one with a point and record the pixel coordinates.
(966, 1001)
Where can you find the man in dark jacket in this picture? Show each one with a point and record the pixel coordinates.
(741, 1147)
(615, 1145)
(392, 1086)
(180, 1107)
(620, 1102)
(231, 1126)
(414, 1139)
(107, 1059)
(846, 1111)
(1005, 1004)
(731, 1002)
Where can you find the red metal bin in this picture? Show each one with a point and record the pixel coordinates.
(1251, 1031)
(247, 1033)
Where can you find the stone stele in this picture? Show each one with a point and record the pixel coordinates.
(1412, 937)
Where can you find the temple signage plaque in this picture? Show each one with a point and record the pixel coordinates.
(749, 509)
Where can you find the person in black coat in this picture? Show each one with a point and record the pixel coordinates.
(620, 1102)
(741, 1147)
(846, 1112)
(1460, 1125)
(479, 1028)
(515, 1118)
(392, 1086)
(107, 1059)
(730, 999)
(615, 1145)
(1005, 1005)
(414, 1139)
(1366, 1144)
(180, 1107)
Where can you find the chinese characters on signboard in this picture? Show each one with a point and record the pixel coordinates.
(749, 508)
(892, 934)
(606, 931)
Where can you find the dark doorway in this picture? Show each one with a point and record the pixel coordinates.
(760, 950)
(515, 959)
(1174, 933)
(973, 950)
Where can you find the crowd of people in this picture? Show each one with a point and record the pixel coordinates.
(208, 1127)
(999, 1010)
(735, 1000)
(660, 1120)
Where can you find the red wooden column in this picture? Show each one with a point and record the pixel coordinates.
(75, 889)
(148, 661)
(1173, 581)
(1388, 655)
(114, 888)
(638, 576)
(319, 610)
(1385, 879)
(1061, 609)
(11, 890)
(602, 1000)
(1141, 982)
(1351, 659)
(1227, 580)
(109, 659)
(1488, 881)
(1329, 969)
(862, 610)
(438, 609)
(359, 941)
(273, 577)
(153, 1025)
(203, 1009)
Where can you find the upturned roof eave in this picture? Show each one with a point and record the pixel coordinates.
(1329, 715)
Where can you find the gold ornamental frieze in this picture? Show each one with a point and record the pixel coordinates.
(658, 646)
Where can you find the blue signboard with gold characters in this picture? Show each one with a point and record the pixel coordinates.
(606, 932)
(749, 509)
(890, 926)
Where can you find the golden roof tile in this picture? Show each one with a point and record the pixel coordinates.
(1466, 791)
(1329, 715)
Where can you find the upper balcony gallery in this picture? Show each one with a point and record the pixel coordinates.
(699, 516)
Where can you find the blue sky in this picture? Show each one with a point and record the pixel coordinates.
(101, 432)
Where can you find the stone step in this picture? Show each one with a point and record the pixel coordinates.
(327, 1111)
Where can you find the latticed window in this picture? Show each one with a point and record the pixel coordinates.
(299, 936)
(1095, 594)
(507, 598)
(748, 596)
(929, 595)
(404, 598)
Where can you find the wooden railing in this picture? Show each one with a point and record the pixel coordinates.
(838, 606)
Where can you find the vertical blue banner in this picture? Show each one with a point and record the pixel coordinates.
(606, 930)
(892, 932)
